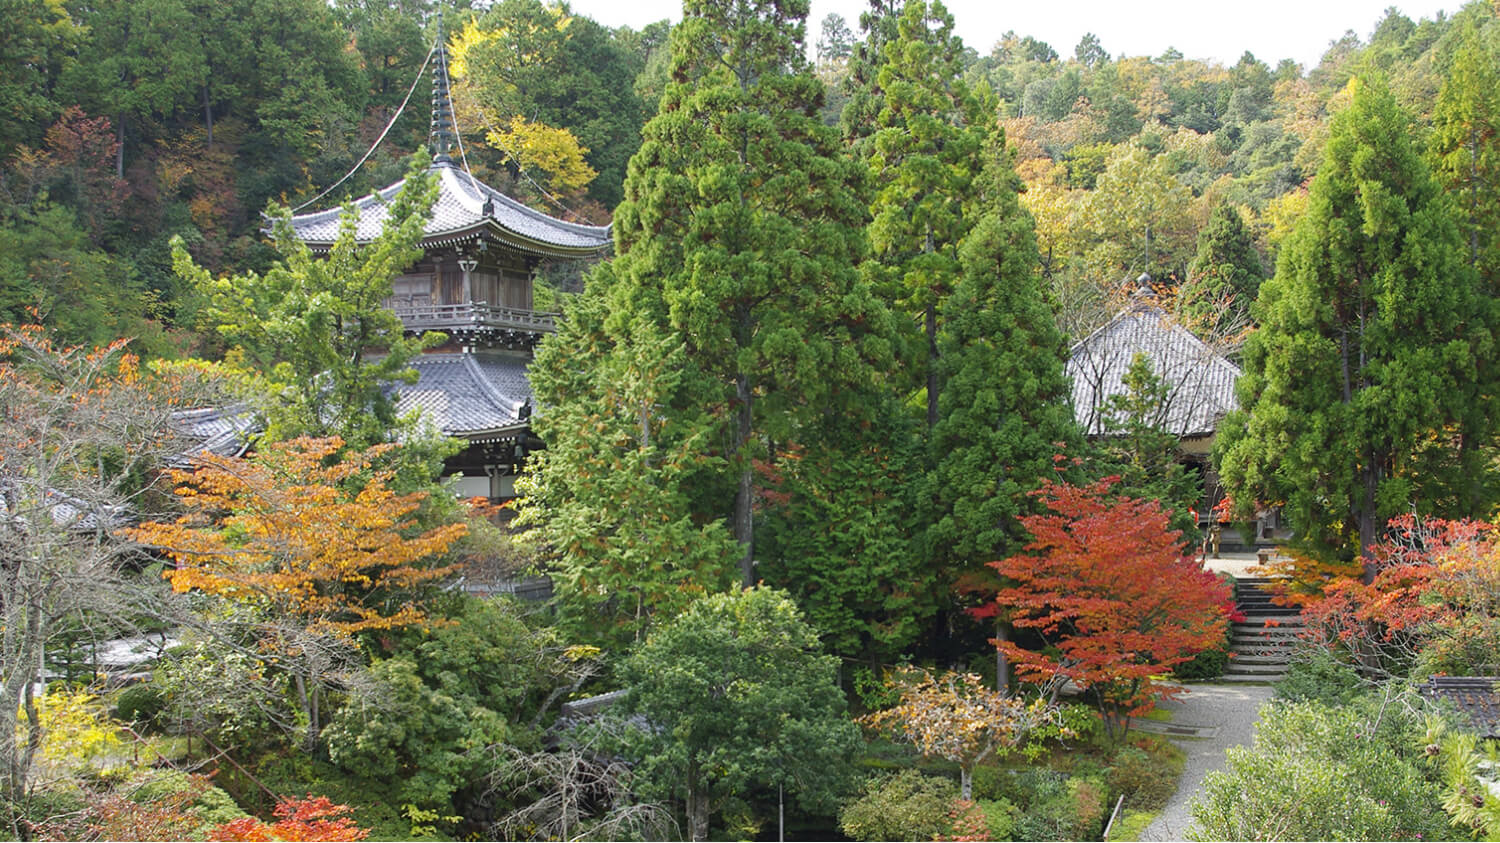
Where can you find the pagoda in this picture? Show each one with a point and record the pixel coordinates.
(481, 252)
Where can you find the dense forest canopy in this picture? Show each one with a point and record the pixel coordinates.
(128, 122)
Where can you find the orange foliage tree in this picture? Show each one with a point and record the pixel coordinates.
(1436, 588)
(313, 818)
(954, 717)
(312, 541)
(1106, 586)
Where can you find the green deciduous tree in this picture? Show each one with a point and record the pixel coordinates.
(1369, 382)
(317, 330)
(738, 697)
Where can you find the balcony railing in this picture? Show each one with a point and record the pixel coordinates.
(471, 316)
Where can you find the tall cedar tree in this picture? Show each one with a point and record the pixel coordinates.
(739, 233)
(866, 99)
(845, 541)
(1465, 147)
(1004, 409)
(612, 496)
(927, 152)
(1225, 274)
(1372, 369)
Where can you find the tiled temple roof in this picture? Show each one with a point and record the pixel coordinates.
(465, 207)
(1200, 379)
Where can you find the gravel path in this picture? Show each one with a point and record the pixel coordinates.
(1225, 715)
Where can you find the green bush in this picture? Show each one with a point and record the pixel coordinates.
(1023, 788)
(1209, 664)
(905, 806)
(1146, 782)
(1316, 675)
(1469, 648)
(999, 817)
(1326, 772)
(1071, 810)
(139, 704)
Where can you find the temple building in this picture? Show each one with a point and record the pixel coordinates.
(474, 283)
(1198, 377)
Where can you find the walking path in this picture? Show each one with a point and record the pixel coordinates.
(1217, 717)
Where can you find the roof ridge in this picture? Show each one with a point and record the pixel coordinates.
(471, 365)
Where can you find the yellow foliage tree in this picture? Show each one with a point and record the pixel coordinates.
(317, 549)
(548, 152)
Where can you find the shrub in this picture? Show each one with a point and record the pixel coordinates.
(1470, 646)
(1025, 788)
(139, 704)
(1145, 782)
(1209, 664)
(1316, 675)
(1074, 809)
(906, 806)
(1324, 772)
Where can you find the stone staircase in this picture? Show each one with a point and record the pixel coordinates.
(1262, 643)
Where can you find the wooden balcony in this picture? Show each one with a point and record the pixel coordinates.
(476, 322)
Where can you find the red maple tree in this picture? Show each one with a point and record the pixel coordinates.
(1106, 586)
(312, 818)
(1431, 575)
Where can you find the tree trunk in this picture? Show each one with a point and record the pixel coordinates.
(965, 784)
(1368, 526)
(120, 146)
(744, 526)
(932, 374)
(697, 805)
(208, 117)
(1002, 667)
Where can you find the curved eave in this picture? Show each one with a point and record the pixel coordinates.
(494, 434)
(493, 231)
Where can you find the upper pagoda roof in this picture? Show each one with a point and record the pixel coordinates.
(1200, 380)
(465, 208)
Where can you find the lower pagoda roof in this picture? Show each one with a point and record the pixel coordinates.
(469, 395)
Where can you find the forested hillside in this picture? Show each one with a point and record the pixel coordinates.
(128, 122)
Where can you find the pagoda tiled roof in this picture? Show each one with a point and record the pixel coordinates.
(465, 207)
(468, 395)
(1200, 380)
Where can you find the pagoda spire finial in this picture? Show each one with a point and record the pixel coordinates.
(441, 138)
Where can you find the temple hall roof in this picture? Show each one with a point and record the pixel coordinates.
(1199, 378)
(466, 207)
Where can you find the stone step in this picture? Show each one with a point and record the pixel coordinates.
(1278, 659)
(1258, 679)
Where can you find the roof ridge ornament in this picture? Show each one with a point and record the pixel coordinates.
(442, 103)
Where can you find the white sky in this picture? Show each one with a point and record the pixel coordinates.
(1204, 29)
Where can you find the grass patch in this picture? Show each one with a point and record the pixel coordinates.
(1130, 825)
